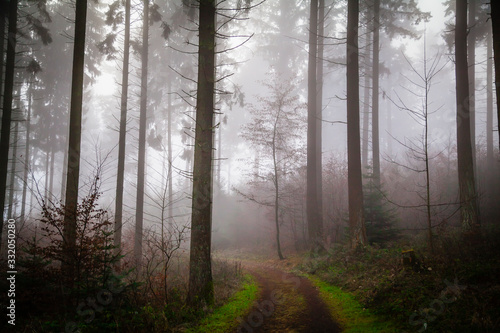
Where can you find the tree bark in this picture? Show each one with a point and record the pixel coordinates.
(356, 218)
(489, 102)
(366, 95)
(75, 133)
(12, 187)
(7, 106)
(200, 266)
(468, 200)
(141, 160)
(495, 23)
(27, 151)
(471, 54)
(375, 94)
(117, 242)
(3, 11)
(312, 192)
(319, 112)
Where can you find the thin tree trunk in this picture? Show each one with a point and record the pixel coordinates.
(468, 200)
(495, 23)
(312, 193)
(46, 185)
(12, 187)
(7, 106)
(366, 96)
(169, 151)
(319, 112)
(65, 162)
(200, 266)
(471, 53)
(356, 218)
(489, 103)
(139, 206)
(276, 188)
(117, 242)
(75, 133)
(27, 151)
(52, 162)
(375, 94)
(3, 11)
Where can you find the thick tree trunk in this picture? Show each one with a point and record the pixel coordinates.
(356, 219)
(7, 106)
(200, 264)
(141, 160)
(319, 112)
(375, 94)
(3, 11)
(468, 200)
(312, 192)
(117, 242)
(75, 133)
(495, 22)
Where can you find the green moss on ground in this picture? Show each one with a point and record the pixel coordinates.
(224, 318)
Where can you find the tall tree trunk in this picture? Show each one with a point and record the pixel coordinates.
(366, 95)
(200, 265)
(117, 242)
(471, 53)
(64, 173)
(7, 106)
(12, 187)
(27, 151)
(312, 193)
(375, 94)
(468, 200)
(319, 112)
(495, 23)
(489, 103)
(141, 160)
(356, 218)
(3, 11)
(276, 187)
(75, 134)
(169, 151)
(47, 173)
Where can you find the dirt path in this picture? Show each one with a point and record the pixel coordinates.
(288, 303)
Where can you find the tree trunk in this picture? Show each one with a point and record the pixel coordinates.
(366, 95)
(489, 103)
(27, 151)
(495, 23)
(200, 266)
(169, 151)
(3, 11)
(375, 94)
(319, 112)
(468, 200)
(12, 187)
(312, 192)
(276, 187)
(117, 242)
(7, 106)
(141, 160)
(471, 53)
(356, 219)
(75, 133)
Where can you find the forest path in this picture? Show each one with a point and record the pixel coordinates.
(288, 303)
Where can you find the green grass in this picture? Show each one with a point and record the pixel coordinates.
(349, 313)
(224, 318)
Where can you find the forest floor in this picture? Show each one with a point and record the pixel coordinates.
(287, 303)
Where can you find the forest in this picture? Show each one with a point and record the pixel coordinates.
(250, 166)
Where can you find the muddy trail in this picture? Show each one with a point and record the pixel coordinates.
(288, 303)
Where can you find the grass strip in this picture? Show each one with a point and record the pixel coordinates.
(224, 318)
(348, 312)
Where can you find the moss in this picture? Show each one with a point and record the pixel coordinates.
(224, 318)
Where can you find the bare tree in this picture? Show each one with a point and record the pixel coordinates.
(275, 132)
